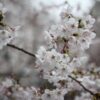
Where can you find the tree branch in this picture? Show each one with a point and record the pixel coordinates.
(30, 54)
(81, 85)
(22, 50)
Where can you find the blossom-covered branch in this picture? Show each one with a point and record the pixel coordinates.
(62, 57)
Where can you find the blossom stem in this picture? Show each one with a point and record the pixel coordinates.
(22, 50)
(81, 85)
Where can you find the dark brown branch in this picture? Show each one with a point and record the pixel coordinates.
(81, 85)
(22, 50)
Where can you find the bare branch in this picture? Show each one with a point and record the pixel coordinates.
(81, 85)
(22, 50)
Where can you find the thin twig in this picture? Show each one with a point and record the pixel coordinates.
(81, 85)
(21, 49)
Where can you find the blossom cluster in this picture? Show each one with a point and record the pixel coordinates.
(64, 54)
(9, 88)
(7, 33)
